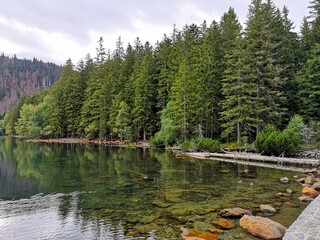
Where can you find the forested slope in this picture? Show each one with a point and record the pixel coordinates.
(218, 80)
(19, 77)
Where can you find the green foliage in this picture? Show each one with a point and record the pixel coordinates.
(200, 144)
(169, 133)
(271, 141)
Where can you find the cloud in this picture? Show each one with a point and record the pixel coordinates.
(56, 30)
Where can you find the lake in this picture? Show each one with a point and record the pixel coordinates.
(74, 191)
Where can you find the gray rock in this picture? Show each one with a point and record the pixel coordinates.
(284, 180)
(289, 191)
(234, 212)
(267, 209)
(316, 185)
(305, 199)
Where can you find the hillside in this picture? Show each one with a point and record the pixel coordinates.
(20, 77)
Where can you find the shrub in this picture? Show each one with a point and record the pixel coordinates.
(200, 144)
(275, 142)
(207, 144)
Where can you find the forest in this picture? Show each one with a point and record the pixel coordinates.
(19, 77)
(221, 81)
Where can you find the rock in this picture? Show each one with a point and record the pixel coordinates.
(305, 199)
(277, 204)
(289, 191)
(190, 234)
(208, 210)
(309, 180)
(310, 192)
(186, 208)
(291, 204)
(317, 179)
(267, 209)
(280, 194)
(161, 204)
(215, 230)
(284, 180)
(262, 227)
(300, 180)
(131, 233)
(316, 185)
(234, 212)
(223, 223)
(146, 228)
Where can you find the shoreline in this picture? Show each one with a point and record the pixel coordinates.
(244, 158)
(94, 141)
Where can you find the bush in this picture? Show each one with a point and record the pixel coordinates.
(207, 144)
(200, 144)
(274, 142)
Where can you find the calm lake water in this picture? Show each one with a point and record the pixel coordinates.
(73, 191)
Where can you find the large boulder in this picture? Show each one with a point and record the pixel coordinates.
(310, 192)
(235, 212)
(262, 227)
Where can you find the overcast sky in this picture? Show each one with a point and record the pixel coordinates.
(55, 30)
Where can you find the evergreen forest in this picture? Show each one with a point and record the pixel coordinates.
(218, 80)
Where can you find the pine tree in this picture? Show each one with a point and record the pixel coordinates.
(262, 63)
(144, 95)
(237, 92)
(309, 86)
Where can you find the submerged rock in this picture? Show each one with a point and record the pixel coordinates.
(267, 208)
(223, 223)
(262, 227)
(284, 180)
(309, 180)
(234, 212)
(161, 204)
(190, 234)
(316, 185)
(289, 191)
(215, 230)
(305, 199)
(144, 229)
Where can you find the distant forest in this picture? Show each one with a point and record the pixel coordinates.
(20, 77)
(219, 80)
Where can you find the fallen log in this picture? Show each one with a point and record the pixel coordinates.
(258, 158)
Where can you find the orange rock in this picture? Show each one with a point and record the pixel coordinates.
(131, 233)
(208, 210)
(223, 223)
(194, 235)
(310, 192)
(262, 227)
(215, 230)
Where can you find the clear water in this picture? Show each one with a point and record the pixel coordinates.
(71, 191)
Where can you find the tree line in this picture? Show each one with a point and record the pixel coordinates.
(219, 80)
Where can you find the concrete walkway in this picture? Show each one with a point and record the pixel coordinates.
(307, 225)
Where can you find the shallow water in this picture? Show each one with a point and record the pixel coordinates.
(71, 191)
